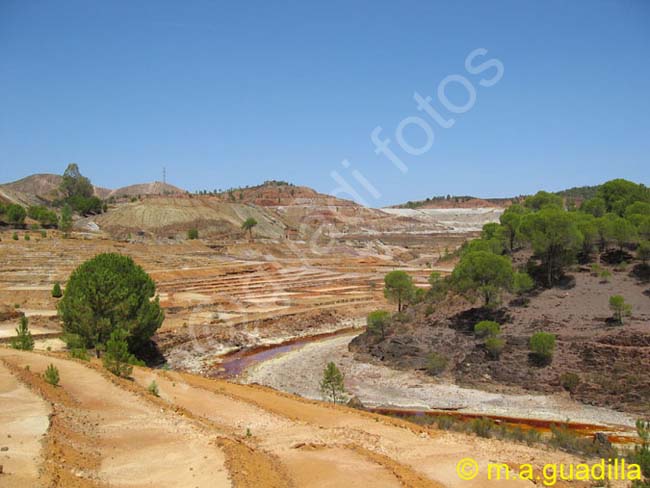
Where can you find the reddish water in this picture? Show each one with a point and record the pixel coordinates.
(237, 362)
(542, 426)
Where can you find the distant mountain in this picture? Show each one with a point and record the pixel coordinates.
(451, 201)
(43, 189)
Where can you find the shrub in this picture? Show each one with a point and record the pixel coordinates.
(596, 269)
(15, 214)
(522, 283)
(605, 275)
(494, 346)
(436, 363)
(482, 427)
(27, 238)
(153, 388)
(542, 345)
(643, 251)
(620, 308)
(56, 290)
(569, 381)
(445, 422)
(117, 358)
(23, 340)
(622, 266)
(641, 454)
(43, 234)
(192, 234)
(487, 328)
(126, 293)
(52, 375)
(79, 353)
(15, 236)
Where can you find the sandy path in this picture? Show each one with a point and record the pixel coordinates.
(139, 444)
(300, 371)
(24, 421)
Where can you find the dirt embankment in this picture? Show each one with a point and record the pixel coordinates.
(609, 360)
(107, 431)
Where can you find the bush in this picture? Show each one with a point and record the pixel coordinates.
(192, 234)
(27, 238)
(605, 275)
(522, 283)
(56, 290)
(15, 214)
(542, 345)
(436, 363)
(121, 296)
(14, 236)
(487, 328)
(43, 234)
(153, 388)
(569, 381)
(641, 454)
(482, 427)
(79, 353)
(494, 346)
(23, 340)
(620, 308)
(52, 375)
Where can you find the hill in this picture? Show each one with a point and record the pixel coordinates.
(154, 188)
(43, 189)
(38, 189)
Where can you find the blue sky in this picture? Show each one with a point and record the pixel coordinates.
(233, 93)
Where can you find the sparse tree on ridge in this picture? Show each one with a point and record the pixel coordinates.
(555, 239)
(398, 287)
(484, 272)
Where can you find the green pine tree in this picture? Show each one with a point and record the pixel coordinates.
(117, 358)
(332, 387)
(23, 340)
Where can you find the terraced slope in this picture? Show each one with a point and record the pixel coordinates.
(105, 431)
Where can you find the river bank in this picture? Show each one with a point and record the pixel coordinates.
(299, 371)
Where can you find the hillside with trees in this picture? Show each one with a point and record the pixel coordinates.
(567, 291)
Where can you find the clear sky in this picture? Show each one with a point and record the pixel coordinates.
(233, 93)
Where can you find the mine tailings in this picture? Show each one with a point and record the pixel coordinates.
(236, 362)
(541, 426)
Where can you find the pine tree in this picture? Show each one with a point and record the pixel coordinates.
(23, 340)
(117, 358)
(52, 375)
(56, 290)
(332, 387)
